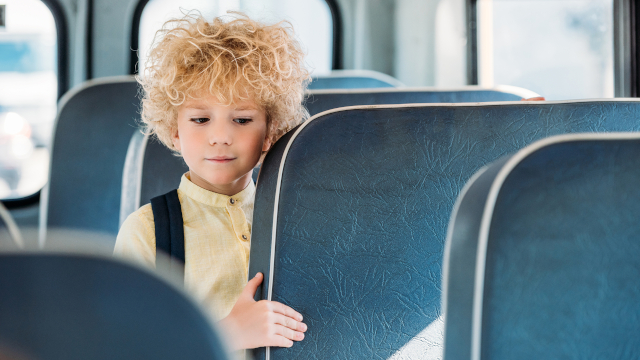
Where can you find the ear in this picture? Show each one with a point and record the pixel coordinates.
(266, 145)
(175, 139)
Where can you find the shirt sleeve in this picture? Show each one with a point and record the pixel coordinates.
(137, 239)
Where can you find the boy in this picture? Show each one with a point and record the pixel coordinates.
(220, 94)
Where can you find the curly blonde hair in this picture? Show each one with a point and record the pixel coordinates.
(231, 60)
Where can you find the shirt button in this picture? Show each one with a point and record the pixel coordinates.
(244, 237)
(231, 201)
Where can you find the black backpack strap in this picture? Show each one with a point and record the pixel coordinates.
(167, 216)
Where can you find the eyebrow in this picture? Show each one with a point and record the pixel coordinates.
(196, 107)
(248, 107)
(204, 107)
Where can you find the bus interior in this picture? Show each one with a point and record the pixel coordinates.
(429, 208)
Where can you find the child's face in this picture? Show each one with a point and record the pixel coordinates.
(221, 144)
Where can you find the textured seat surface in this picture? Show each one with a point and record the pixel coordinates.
(558, 258)
(360, 202)
(322, 100)
(353, 79)
(64, 306)
(92, 132)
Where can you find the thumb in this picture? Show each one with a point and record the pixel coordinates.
(252, 286)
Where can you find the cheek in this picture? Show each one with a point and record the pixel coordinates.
(258, 144)
(188, 140)
(254, 142)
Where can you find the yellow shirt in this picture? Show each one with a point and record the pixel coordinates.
(217, 230)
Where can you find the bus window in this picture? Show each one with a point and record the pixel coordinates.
(28, 93)
(311, 20)
(561, 49)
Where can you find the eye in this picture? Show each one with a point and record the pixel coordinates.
(199, 120)
(242, 121)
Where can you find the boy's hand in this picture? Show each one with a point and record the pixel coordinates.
(537, 98)
(254, 324)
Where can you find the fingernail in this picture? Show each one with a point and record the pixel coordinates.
(304, 326)
(300, 336)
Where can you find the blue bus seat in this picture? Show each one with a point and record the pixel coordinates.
(76, 306)
(92, 132)
(353, 79)
(355, 205)
(318, 101)
(544, 246)
(150, 170)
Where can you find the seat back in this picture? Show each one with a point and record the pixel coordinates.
(318, 101)
(92, 132)
(72, 306)
(353, 79)
(555, 230)
(351, 214)
(151, 170)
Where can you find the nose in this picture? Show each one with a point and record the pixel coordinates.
(220, 132)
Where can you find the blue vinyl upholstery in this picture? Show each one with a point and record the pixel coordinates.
(91, 135)
(363, 202)
(558, 261)
(319, 101)
(353, 79)
(72, 306)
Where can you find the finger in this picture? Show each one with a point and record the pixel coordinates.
(537, 98)
(288, 333)
(283, 309)
(252, 286)
(289, 322)
(280, 341)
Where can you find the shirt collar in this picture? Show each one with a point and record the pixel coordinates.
(211, 198)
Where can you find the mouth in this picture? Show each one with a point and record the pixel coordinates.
(220, 159)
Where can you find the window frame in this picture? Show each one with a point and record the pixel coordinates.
(336, 18)
(472, 41)
(62, 42)
(626, 34)
(626, 18)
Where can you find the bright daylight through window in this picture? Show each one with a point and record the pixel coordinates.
(561, 49)
(28, 94)
(311, 20)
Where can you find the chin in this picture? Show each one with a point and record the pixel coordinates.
(218, 180)
(221, 182)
